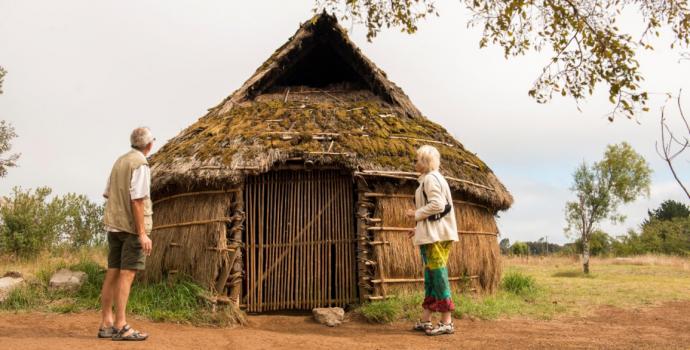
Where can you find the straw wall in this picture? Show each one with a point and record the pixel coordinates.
(189, 238)
(474, 261)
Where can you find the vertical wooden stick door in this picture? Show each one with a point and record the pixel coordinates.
(300, 241)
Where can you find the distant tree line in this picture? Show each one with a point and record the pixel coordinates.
(666, 230)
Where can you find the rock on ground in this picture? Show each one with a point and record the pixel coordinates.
(65, 279)
(7, 284)
(330, 316)
(14, 274)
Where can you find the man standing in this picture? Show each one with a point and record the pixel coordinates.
(128, 220)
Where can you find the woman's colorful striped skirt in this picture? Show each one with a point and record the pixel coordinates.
(437, 296)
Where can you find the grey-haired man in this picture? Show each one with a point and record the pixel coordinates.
(128, 220)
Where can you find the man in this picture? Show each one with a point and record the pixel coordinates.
(128, 220)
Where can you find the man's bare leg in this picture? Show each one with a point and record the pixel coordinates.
(122, 296)
(108, 292)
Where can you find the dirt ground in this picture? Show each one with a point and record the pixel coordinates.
(661, 327)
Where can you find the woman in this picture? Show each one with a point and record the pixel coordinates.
(435, 232)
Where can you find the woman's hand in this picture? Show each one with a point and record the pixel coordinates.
(410, 233)
(410, 213)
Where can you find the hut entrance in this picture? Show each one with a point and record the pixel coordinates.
(300, 241)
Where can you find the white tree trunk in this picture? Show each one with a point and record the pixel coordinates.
(585, 254)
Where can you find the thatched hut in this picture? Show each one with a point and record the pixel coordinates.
(290, 193)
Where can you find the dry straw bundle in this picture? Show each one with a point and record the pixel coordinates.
(189, 238)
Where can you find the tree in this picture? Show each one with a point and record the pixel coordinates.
(667, 236)
(620, 177)
(588, 47)
(520, 249)
(600, 243)
(504, 245)
(6, 135)
(83, 221)
(29, 222)
(668, 210)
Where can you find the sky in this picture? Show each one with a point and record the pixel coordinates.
(82, 74)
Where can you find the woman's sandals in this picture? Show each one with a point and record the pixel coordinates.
(441, 329)
(134, 335)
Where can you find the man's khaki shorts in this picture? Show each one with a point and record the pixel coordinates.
(125, 251)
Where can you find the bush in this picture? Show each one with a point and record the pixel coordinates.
(30, 223)
(517, 283)
(384, 311)
(520, 249)
(83, 221)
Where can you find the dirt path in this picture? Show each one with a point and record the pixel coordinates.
(662, 327)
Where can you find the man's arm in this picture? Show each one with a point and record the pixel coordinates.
(138, 212)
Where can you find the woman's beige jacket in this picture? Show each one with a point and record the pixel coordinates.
(438, 194)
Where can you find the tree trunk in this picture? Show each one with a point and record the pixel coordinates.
(585, 254)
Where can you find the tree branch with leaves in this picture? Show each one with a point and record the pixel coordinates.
(6, 135)
(588, 48)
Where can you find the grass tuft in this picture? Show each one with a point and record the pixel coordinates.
(518, 283)
(385, 311)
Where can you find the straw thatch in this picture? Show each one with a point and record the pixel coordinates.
(358, 119)
(317, 121)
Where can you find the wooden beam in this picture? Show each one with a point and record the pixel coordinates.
(407, 229)
(409, 280)
(191, 223)
(195, 194)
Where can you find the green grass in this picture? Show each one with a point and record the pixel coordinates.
(519, 295)
(554, 287)
(177, 301)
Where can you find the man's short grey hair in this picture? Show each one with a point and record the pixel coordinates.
(140, 138)
(429, 157)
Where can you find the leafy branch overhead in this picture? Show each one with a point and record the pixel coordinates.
(588, 47)
(2, 77)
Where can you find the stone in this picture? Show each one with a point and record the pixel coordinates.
(65, 279)
(7, 284)
(13, 274)
(330, 316)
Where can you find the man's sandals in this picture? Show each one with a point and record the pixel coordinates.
(134, 335)
(106, 332)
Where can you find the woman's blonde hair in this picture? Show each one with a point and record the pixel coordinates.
(429, 157)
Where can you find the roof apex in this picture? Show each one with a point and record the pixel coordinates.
(323, 28)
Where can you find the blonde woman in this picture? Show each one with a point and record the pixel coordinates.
(434, 233)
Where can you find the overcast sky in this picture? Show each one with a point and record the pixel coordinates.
(82, 74)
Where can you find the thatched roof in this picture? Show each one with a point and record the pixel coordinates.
(317, 98)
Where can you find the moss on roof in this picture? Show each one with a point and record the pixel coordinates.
(361, 128)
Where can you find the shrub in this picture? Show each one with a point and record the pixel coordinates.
(384, 311)
(31, 223)
(517, 283)
(519, 248)
(83, 221)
